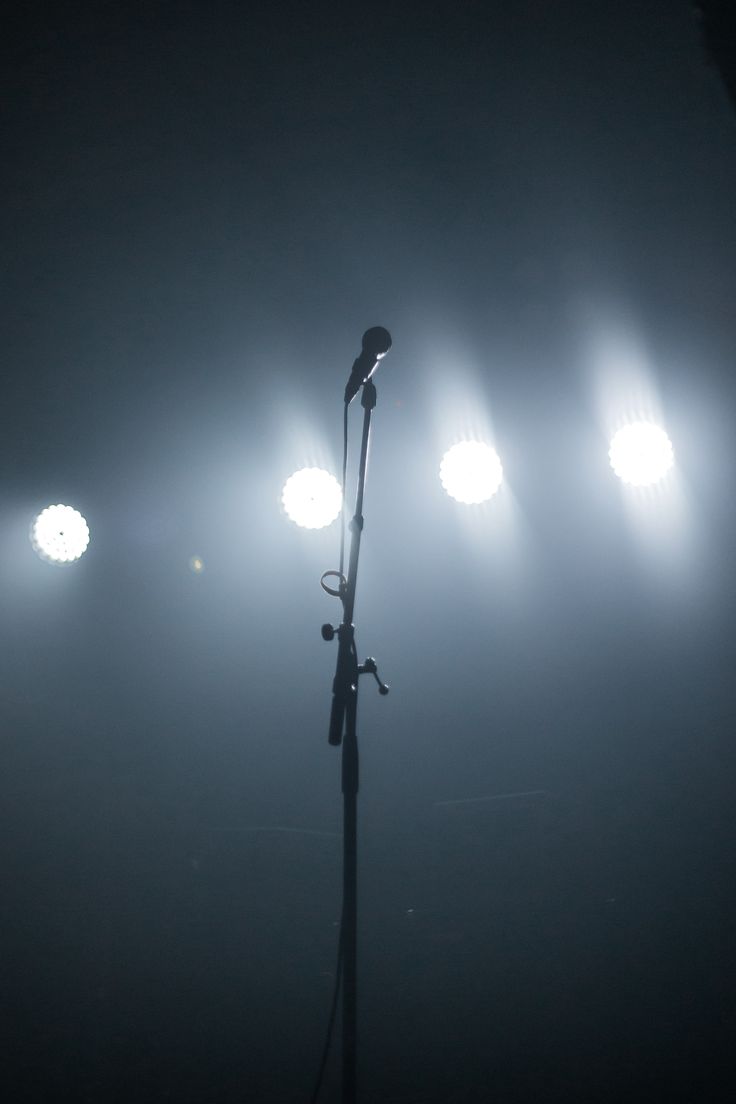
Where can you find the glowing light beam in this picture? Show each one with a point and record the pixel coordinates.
(641, 454)
(60, 534)
(471, 472)
(312, 498)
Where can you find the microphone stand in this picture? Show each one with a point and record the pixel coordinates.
(343, 731)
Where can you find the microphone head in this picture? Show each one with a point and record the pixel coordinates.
(376, 342)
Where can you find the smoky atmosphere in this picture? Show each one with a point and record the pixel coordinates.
(205, 207)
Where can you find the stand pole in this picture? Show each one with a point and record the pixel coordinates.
(350, 905)
(343, 730)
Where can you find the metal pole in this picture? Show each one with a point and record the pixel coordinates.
(343, 730)
(350, 905)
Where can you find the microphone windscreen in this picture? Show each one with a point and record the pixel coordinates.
(376, 341)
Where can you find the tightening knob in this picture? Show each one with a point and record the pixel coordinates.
(328, 632)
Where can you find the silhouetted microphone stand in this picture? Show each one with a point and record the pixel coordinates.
(376, 343)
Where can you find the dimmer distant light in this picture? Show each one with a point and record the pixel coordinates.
(312, 498)
(60, 534)
(641, 453)
(471, 472)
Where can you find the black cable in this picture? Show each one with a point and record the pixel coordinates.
(341, 577)
(331, 1023)
(340, 593)
(344, 478)
(339, 590)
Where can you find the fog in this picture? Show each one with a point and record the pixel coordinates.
(204, 208)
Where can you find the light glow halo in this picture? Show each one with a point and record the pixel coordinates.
(471, 472)
(641, 454)
(60, 534)
(312, 498)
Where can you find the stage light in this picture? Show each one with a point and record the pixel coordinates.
(641, 453)
(312, 498)
(471, 472)
(59, 534)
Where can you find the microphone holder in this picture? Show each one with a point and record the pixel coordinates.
(342, 730)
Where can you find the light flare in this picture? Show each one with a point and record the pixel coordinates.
(641, 454)
(312, 498)
(471, 472)
(60, 534)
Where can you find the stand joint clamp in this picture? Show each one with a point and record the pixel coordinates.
(370, 668)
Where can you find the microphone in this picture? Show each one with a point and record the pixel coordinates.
(376, 343)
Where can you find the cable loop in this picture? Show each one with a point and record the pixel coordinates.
(331, 590)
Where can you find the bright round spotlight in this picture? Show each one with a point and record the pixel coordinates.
(471, 472)
(641, 453)
(312, 498)
(59, 534)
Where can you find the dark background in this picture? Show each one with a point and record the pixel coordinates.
(204, 206)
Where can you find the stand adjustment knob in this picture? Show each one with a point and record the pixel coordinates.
(328, 632)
